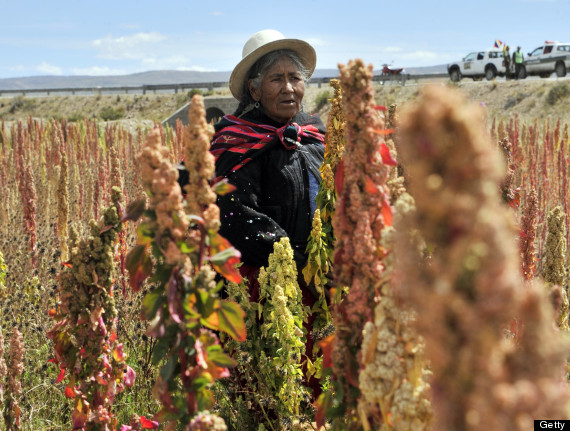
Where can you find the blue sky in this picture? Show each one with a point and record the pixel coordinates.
(123, 36)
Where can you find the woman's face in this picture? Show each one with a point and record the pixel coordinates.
(281, 91)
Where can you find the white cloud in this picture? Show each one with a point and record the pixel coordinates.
(136, 46)
(98, 71)
(217, 13)
(49, 69)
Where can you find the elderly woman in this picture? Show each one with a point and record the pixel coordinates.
(270, 150)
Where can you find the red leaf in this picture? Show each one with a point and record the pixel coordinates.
(386, 212)
(69, 392)
(139, 266)
(380, 108)
(224, 257)
(326, 345)
(369, 186)
(148, 424)
(135, 210)
(383, 131)
(106, 228)
(386, 156)
(68, 264)
(321, 405)
(61, 375)
(130, 377)
(174, 299)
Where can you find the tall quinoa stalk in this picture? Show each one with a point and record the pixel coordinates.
(85, 332)
(63, 209)
(283, 328)
(554, 270)
(183, 300)
(468, 291)
(361, 212)
(321, 240)
(3, 368)
(528, 235)
(12, 411)
(393, 378)
(555, 248)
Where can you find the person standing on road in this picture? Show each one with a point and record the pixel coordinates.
(518, 60)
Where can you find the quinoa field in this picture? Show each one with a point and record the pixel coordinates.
(439, 253)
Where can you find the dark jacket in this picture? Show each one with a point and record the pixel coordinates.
(273, 195)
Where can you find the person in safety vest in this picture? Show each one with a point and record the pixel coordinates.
(518, 60)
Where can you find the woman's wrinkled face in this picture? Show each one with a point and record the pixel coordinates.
(281, 91)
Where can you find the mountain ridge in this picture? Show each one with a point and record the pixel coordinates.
(151, 77)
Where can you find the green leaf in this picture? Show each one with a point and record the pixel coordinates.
(185, 248)
(168, 369)
(219, 358)
(203, 381)
(160, 350)
(151, 302)
(222, 187)
(144, 234)
(205, 399)
(231, 320)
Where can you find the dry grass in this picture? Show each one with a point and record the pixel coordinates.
(503, 99)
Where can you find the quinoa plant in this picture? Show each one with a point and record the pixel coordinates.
(470, 291)
(15, 367)
(362, 211)
(394, 378)
(86, 347)
(178, 245)
(269, 375)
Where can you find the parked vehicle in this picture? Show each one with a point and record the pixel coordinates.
(488, 64)
(552, 57)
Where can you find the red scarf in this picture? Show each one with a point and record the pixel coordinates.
(246, 140)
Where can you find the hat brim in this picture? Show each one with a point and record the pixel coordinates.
(306, 54)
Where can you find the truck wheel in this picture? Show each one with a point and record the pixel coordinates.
(490, 73)
(455, 75)
(560, 69)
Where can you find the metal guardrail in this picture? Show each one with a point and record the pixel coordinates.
(144, 89)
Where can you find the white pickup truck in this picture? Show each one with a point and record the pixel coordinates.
(548, 58)
(488, 63)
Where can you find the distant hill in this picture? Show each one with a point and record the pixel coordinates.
(153, 77)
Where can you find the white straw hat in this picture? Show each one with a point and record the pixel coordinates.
(263, 42)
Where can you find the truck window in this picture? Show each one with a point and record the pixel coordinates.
(480, 56)
(548, 49)
(537, 51)
(563, 48)
(470, 57)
